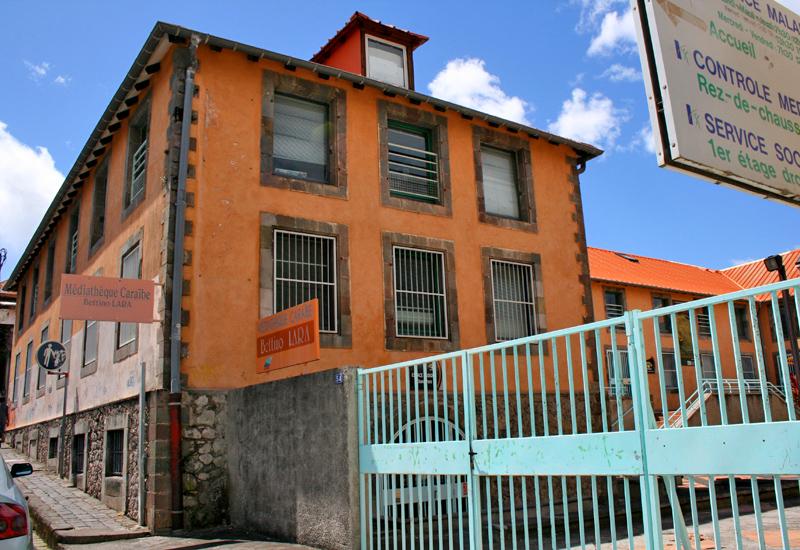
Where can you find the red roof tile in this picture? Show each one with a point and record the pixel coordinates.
(632, 269)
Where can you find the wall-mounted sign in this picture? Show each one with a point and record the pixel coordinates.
(722, 85)
(425, 377)
(107, 299)
(288, 338)
(51, 355)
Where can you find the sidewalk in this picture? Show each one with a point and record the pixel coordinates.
(65, 517)
(63, 514)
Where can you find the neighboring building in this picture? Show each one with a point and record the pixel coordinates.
(622, 281)
(420, 225)
(8, 306)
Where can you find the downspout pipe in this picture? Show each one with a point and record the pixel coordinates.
(177, 294)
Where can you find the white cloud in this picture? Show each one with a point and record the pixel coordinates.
(644, 140)
(592, 119)
(617, 33)
(62, 80)
(38, 71)
(622, 73)
(592, 11)
(467, 82)
(28, 181)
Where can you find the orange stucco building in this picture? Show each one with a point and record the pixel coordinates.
(421, 226)
(622, 281)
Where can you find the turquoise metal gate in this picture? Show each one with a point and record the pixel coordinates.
(544, 442)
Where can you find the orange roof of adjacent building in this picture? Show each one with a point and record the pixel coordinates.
(632, 269)
(752, 274)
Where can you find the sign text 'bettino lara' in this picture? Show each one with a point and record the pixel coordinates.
(288, 338)
(107, 299)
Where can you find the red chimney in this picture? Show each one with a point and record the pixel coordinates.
(370, 48)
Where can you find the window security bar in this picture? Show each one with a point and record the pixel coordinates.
(615, 310)
(138, 169)
(419, 287)
(304, 269)
(413, 171)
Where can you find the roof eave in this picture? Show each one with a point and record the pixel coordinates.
(584, 151)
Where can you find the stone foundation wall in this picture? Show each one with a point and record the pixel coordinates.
(94, 421)
(205, 467)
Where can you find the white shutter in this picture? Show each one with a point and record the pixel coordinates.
(300, 137)
(386, 62)
(500, 192)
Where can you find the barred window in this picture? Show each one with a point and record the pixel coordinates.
(301, 139)
(413, 164)
(614, 302)
(114, 452)
(305, 268)
(513, 300)
(703, 324)
(138, 133)
(78, 449)
(419, 291)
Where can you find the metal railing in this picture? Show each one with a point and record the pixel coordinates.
(515, 444)
(138, 169)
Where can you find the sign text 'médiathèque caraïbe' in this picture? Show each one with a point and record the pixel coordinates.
(729, 77)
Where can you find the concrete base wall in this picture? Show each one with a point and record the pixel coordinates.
(293, 459)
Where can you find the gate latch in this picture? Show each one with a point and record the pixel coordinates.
(472, 455)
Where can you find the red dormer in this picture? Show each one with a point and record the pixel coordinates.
(370, 48)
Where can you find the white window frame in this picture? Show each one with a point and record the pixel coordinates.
(532, 303)
(606, 305)
(136, 248)
(446, 323)
(625, 380)
(367, 38)
(754, 368)
(86, 326)
(334, 259)
(713, 365)
(664, 353)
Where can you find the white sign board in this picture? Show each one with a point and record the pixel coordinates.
(723, 79)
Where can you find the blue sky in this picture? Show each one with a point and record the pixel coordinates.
(563, 65)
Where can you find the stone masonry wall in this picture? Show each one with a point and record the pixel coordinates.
(205, 474)
(95, 462)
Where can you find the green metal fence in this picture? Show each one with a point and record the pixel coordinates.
(552, 441)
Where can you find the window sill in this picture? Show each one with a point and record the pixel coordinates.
(508, 223)
(41, 391)
(418, 206)
(127, 350)
(135, 202)
(87, 370)
(332, 190)
(97, 246)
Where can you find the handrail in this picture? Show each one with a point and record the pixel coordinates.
(709, 386)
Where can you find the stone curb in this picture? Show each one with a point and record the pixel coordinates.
(55, 533)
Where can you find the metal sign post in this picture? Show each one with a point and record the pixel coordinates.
(51, 356)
